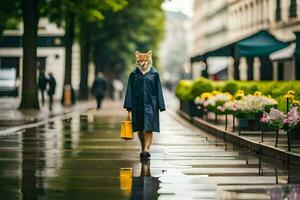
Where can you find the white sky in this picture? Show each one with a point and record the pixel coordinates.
(185, 6)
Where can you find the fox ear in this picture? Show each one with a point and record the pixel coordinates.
(137, 54)
(149, 53)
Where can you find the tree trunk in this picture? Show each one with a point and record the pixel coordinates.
(85, 45)
(69, 39)
(29, 83)
(97, 59)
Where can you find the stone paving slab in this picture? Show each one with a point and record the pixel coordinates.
(85, 159)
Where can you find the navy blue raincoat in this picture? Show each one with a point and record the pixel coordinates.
(144, 98)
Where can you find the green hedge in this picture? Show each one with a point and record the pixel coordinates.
(188, 90)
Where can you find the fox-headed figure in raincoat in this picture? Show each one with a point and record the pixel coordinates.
(144, 96)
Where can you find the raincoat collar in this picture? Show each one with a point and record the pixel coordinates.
(152, 70)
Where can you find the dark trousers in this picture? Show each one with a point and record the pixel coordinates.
(50, 102)
(43, 96)
(99, 101)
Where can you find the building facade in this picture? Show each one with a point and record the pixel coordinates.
(50, 53)
(210, 30)
(244, 18)
(175, 48)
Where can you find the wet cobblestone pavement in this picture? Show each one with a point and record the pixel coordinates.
(83, 158)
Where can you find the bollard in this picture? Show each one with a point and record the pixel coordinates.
(67, 95)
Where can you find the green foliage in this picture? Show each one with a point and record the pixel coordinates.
(277, 89)
(199, 86)
(139, 26)
(10, 14)
(183, 90)
(231, 87)
(248, 87)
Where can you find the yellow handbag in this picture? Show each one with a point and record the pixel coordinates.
(126, 129)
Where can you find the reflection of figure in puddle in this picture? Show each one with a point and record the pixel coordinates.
(51, 89)
(144, 99)
(145, 186)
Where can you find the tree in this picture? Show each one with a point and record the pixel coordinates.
(87, 22)
(10, 18)
(70, 12)
(139, 26)
(10, 15)
(29, 82)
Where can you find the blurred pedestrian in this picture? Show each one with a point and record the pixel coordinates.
(51, 89)
(42, 83)
(144, 98)
(118, 89)
(99, 88)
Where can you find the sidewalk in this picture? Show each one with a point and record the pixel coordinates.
(10, 116)
(84, 158)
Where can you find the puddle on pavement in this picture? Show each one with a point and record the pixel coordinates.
(83, 158)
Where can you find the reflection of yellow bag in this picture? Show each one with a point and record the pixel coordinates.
(126, 129)
(126, 180)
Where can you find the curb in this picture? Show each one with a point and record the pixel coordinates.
(268, 152)
(20, 129)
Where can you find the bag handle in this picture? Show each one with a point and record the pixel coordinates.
(128, 117)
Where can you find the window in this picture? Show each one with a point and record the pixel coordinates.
(293, 9)
(278, 11)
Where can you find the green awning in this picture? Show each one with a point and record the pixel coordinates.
(261, 43)
(225, 51)
(297, 51)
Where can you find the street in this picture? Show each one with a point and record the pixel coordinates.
(82, 157)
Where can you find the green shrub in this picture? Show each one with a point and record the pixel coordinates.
(188, 90)
(231, 87)
(183, 89)
(249, 88)
(201, 85)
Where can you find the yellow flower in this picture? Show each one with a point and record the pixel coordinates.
(230, 97)
(296, 103)
(215, 92)
(289, 96)
(291, 92)
(240, 92)
(257, 94)
(206, 95)
(239, 96)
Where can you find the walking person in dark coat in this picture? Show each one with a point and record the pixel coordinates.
(51, 89)
(42, 83)
(99, 88)
(144, 99)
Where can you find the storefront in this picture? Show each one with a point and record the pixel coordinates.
(250, 56)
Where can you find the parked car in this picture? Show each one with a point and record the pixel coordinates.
(9, 84)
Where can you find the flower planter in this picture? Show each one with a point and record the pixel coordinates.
(293, 137)
(248, 124)
(265, 128)
(190, 108)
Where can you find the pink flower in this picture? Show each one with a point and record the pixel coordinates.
(265, 118)
(221, 108)
(199, 107)
(234, 107)
(205, 104)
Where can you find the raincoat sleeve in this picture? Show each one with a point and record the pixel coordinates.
(128, 95)
(161, 102)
